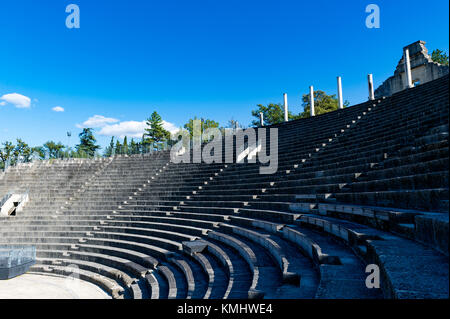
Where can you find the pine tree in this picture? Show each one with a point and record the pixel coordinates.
(440, 57)
(125, 145)
(110, 148)
(155, 133)
(118, 147)
(134, 147)
(87, 144)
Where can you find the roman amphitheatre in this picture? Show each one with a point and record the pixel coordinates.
(364, 185)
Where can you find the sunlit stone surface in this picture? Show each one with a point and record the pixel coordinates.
(30, 286)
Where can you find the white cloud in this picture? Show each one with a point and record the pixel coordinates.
(172, 128)
(97, 121)
(58, 109)
(132, 129)
(122, 129)
(18, 100)
(2, 103)
(112, 127)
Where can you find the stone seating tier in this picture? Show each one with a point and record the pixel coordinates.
(366, 184)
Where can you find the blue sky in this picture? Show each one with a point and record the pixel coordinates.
(211, 58)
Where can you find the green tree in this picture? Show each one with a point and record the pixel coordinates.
(272, 114)
(53, 149)
(155, 132)
(125, 145)
(440, 57)
(110, 148)
(119, 148)
(134, 147)
(87, 146)
(323, 103)
(39, 150)
(6, 152)
(204, 125)
(22, 151)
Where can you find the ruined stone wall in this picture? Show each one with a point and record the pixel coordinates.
(423, 70)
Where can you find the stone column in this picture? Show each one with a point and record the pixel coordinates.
(340, 98)
(371, 91)
(261, 119)
(286, 114)
(408, 77)
(311, 98)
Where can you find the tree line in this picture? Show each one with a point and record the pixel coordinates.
(13, 153)
(155, 136)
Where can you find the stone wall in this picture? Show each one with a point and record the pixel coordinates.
(423, 70)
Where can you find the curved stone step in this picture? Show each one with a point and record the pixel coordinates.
(111, 287)
(408, 269)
